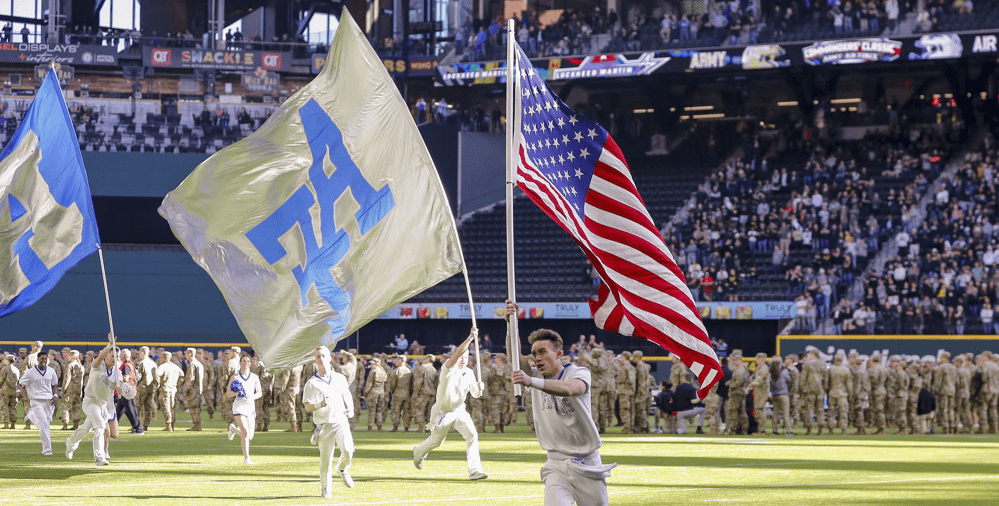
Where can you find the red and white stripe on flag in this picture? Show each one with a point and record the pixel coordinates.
(575, 172)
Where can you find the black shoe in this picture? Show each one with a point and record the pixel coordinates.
(700, 430)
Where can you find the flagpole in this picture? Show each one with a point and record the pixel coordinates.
(512, 124)
(107, 299)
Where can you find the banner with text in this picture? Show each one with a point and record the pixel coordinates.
(165, 57)
(580, 311)
(848, 51)
(65, 54)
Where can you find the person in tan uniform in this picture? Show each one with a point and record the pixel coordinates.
(208, 396)
(838, 387)
(194, 387)
(8, 391)
(990, 392)
(496, 394)
(374, 394)
(677, 371)
(736, 419)
(146, 386)
(424, 391)
(760, 385)
(877, 377)
(861, 393)
(262, 404)
(168, 376)
(72, 390)
(793, 388)
(480, 408)
(290, 398)
(595, 365)
(915, 385)
(512, 406)
(945, 378)
(712, 408)
(400, 383)
(644, 383)
(962, 396)
(625, 391)
(608, 376)
(898, 388)
(813, 388)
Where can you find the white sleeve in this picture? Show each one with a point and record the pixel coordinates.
(311, 394)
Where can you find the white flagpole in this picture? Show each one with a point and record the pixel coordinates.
(107, 299)
(512, 126)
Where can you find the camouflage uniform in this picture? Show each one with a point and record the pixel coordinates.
(263, 403)
(839, 385)
(990, 393)
(813, 381)
(229, 369)
(480, 408)
(168, 376)
(145, 386)
(761, 392)
(8, 392)
(945, 379)
(915, 385)
(608, 378)
(497, 395)
(712, 405)
(280, 385)
(210, 383)
(860, 394)
(374, 394)
(898, 388)
(72, 392)
(644, 383)
(424, 391)
(962, 395)
(794, 393)
(736, 419)
(878, 379)
(194, 387)
(290, 399)
(595, 365)
(358, 388)
(625, 391)
(400, 383)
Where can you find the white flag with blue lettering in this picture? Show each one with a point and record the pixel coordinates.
(324, 218)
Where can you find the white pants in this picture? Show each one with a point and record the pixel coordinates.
(333, 436)
(442, 424)
(684, 416)
(40, 413)
(575, 481)
(97, 421)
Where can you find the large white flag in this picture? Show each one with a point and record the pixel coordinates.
(325, 217)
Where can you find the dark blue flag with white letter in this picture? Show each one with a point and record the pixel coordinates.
(47, 222)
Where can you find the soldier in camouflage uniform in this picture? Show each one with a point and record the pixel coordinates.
(712, 407)
(374, 394)
(496, 398)
(609, 396)
(211, 371)
(898, 388)
(291, 399)
(990, 392)
(512, 406)
(8, 391)
(400, 383)
(145, 386)
(944, 389)
(72, 391)
(644, 383)
(915, 385)
(194, 387)
(813, 381)
(861, 393)
(168, 376)
(878, 380)
(838, 387)
(677, 372)
(736, 419)
(424, 391)
(793, 389)
(760, 385)
(230, 366)
(625, 391)
(595, 365)
(962, 395)
(480, 409)
(263, 403)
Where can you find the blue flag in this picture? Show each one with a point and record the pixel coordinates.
(47, 222)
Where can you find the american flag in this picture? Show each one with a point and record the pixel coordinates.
(575, 172)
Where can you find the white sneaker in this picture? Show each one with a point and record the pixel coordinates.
(248, 462)
(101, 462)
(46, 454)
(478, 475)
(232, 431)
(69, 449)
(417, 462)
(325, 494)
(314, 440)
(347, 480)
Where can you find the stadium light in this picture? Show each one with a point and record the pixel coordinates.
(845, 101)
(695, 108)
(709, 116)
(790, 103)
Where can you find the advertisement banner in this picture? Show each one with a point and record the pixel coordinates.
(66, 54)
(261, 80)
(165, 57)
(65, 73)
(412, 66)
(579, 311)
(860, 50)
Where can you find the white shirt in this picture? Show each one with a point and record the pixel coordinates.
(37, 385)
(565, 424)
(455, 384)
(334, 388)
(246, 405)
(100, 384)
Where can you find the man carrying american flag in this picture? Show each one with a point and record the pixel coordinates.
(575, 172)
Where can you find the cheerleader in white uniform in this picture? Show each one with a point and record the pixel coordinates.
(245, 387)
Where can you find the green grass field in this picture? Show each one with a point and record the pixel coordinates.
(206, 468)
